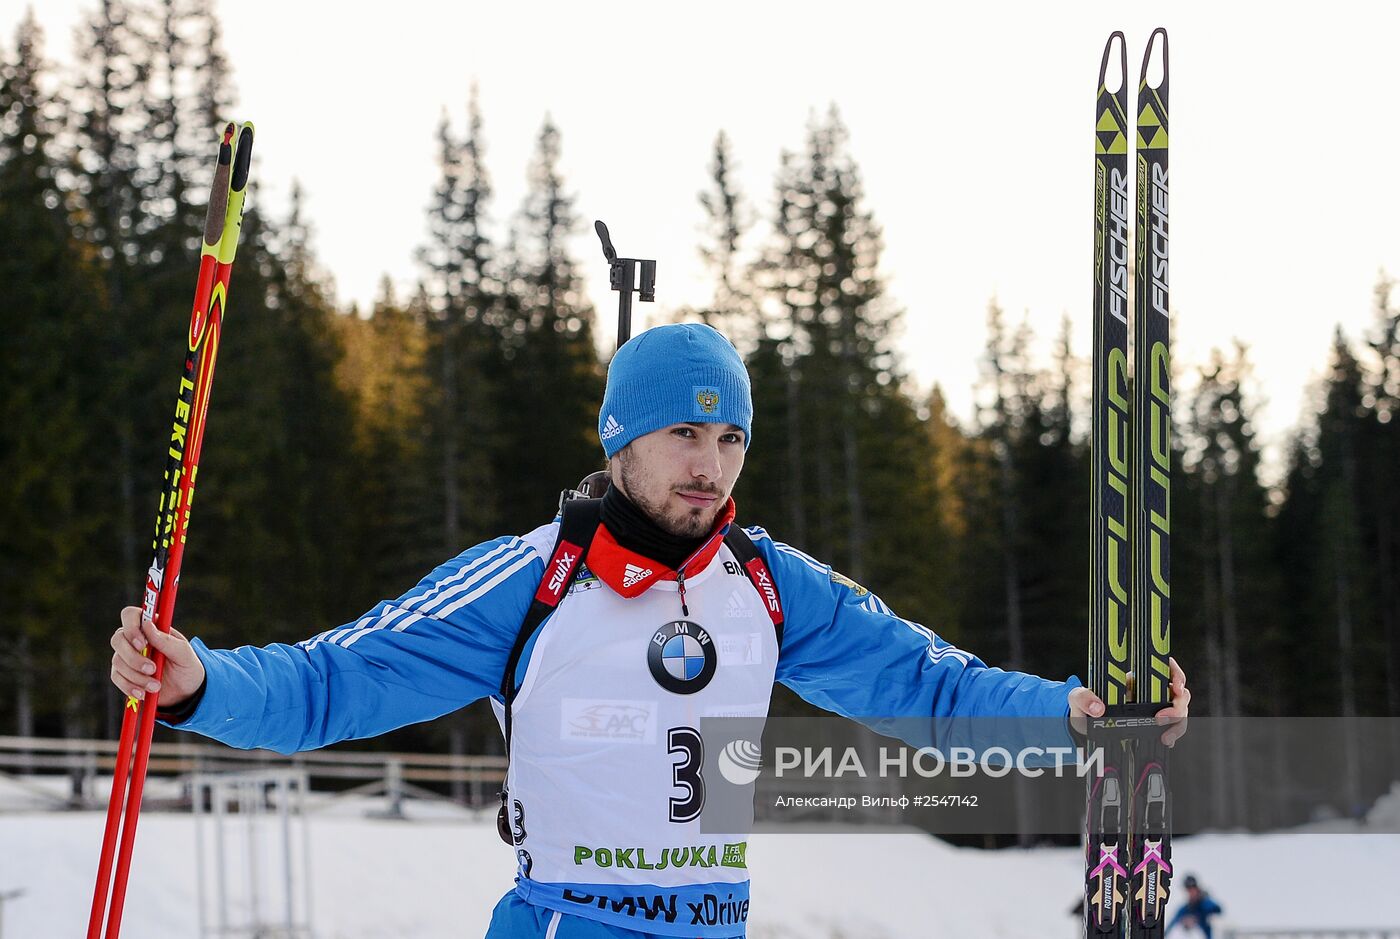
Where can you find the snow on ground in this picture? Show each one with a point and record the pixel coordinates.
(439, 873)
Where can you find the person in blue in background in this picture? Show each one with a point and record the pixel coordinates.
(1198, 910)
(656, 612)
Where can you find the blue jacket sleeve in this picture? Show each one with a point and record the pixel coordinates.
(437, 648)
(845, 651)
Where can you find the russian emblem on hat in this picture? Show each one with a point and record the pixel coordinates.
(707, 399)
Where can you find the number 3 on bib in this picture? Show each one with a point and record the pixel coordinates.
(686, 773)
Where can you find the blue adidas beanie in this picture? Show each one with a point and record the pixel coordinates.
(685, 372)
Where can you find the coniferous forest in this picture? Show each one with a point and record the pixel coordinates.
(352, 450)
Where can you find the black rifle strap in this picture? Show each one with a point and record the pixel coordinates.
(743, 548)
(577, 525)
(576, 529)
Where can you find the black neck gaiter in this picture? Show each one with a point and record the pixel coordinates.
(635, 531)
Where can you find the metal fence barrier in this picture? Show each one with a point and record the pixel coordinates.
(471, 781)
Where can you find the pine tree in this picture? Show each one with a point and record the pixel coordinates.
(1322, 540)
(1053, 468)
(189, 102)
(1226, 587)
(215, 94)
(826, 381)
(1005, 427)
(387, 375)
(280, 455)
(135, 170)
(1025, 553)
(108, 110)
(461, 296)
(783, 274)
(549, 367)
(947, 442)
(731, 311)
(1382, 457)
(46, 439)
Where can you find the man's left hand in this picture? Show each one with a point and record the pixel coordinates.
(1084, 704)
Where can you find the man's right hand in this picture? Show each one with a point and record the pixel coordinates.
(134, 673)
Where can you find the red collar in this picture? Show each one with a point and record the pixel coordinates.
(630, 574)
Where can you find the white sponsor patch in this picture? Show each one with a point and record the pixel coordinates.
(740, 648)
(584, 579)
(607, 720)
(738, 710)
(736, 608)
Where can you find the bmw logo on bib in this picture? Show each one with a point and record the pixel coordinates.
(682, 657)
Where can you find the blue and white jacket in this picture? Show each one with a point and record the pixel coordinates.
(606, 776)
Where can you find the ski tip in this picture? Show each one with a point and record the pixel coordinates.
(243, 158)
(1160, 77)
(1122, 76)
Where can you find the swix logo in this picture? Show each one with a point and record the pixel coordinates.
(764, 582)
(562, 565)
(633, 575)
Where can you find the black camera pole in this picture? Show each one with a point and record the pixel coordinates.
(622, 274)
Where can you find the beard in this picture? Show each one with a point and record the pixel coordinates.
(682, 521)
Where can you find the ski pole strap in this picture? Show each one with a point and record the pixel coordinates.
(743, 549)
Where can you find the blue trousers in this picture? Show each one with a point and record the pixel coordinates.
(513, 918)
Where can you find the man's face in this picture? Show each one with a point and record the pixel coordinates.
(681, 475)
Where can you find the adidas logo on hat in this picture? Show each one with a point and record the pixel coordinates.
(611, 429)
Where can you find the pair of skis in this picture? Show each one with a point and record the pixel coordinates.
(220, 243)
(1128, 822)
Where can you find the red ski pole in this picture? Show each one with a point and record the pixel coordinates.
(221, 229)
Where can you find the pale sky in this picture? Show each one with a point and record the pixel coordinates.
(971, 126)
